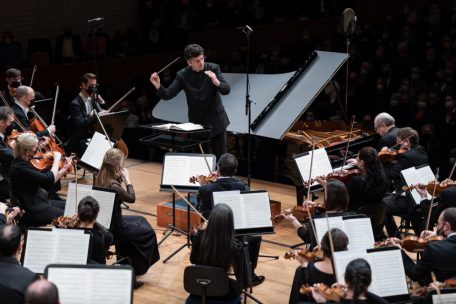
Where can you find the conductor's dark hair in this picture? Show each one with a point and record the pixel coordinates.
(358, 276)
(193, 50)
(336, 195)
(10, 239)
(87, 76)
(227, 164)
(216, 247)
(340, 241)
(88, 209)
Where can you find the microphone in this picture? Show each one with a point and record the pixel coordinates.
(95, 20)
(247, 29)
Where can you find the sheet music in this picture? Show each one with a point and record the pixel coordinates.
(257, 212)
(39, 250)
(105, 199)
(321, 225)
(177, 169)
(447, 298)
(188, 126)
(71, 246)
(92, 285)
(234, 200)
(321, 164)
(359, 232)
(342, 258)
(413, 176)
(388, 274)
(96, 150)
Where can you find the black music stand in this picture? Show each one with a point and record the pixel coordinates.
(184, 187)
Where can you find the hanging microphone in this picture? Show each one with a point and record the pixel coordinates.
(95, 20)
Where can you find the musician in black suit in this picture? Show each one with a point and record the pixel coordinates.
(13, 81)
(24, 97)
(414, 155)
(438, 256)
(30, 187)
(6, 154)
(384, 125)
(446, 200)
(14, 278)
(82, 118)
(227, 167)
(202, 83)
(42, 291)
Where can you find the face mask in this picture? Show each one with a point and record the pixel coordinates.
(91, 90)
(394, 102)
(452, 159)
(421, 104)
(15, 84)
(449, 104)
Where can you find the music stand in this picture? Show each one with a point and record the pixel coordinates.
(181, 183)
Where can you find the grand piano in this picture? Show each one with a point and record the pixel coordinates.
(278, 133)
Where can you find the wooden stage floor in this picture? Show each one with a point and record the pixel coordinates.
(163, 283)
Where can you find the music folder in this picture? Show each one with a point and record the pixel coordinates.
(47, 246)
(251, 210)
(179, 167)
(321, 164)
(92, 284)
(417, 175)
(95, 152)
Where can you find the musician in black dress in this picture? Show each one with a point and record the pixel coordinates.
(202, 82)
(133, 235)
(29, 187)
(102, 238)
(367, 190)
(6, 154)
(310, 272)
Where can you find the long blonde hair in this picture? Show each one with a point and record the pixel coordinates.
(24, 143)
(111, 169)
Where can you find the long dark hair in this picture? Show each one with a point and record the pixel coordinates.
(358, 276)
(336, 195)
(376, 181)
(216, 247)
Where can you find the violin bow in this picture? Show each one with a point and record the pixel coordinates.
(348, 143)
(168, 65)
(437, 288)
(452, 170)
(205, 159)
(16, 120)
(103, 128)
(331, 246)
(33, 75)
(121, 98)
(4, 100)
(55, 104)
(312, 225)
(188, 203)
(428, 218)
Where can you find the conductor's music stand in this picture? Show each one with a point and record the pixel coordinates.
(182, 183)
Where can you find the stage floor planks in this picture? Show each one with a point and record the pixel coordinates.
(163, 282)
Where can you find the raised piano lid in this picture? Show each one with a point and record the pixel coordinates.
(263, 88)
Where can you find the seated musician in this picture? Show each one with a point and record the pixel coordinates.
(384, 125)
(14, 278)
(218, 246)
(438, 256)
(6, 154)
(358, 277)
(102, 238)
(336, 201)
(30, 187)
(13, 81)
(42, 291)
(367, 190)
(446, 200)
(227, 167)
(414, 155)
(82, 119)
(8, 215)
(311, 272)
(24, 97)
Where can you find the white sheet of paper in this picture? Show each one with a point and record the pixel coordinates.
(234, 200)
(413, 176)
(73, 198)
(39, 250)
(257, 212)
(321, 164)
(447, 298)
(321, 225)
(342, 258)
(71, 247)
(359, 232)
(96, 150)
(179, 168)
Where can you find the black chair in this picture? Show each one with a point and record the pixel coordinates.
(206, 281)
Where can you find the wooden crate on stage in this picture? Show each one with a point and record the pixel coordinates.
(165, 215)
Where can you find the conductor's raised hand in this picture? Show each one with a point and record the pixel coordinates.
(155, 80)
(213, 77)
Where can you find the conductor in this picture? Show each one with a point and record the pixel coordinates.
(203, 83)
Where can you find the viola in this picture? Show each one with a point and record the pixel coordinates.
(66, 222)
(300, 212)
(44, 161)
(204, 179)
(413, 243)
(389, 155)
(439, 187)
(314, 255)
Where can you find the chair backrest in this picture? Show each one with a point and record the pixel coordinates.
(206, 281)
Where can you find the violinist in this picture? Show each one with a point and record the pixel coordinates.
(24, 98)
(384, 125)
(227, 167)
(336, 201)
(367, 190)
(30, 187)
(13, 81)
(81, 118)
(310, 272)
(358, 277)
(396, 204)
(438, 256)
(6, 154)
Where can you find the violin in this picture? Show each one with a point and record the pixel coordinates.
(423, 291)
(204, 179)
(44, 160)
(389, 155)
(300, 212)
(66, 222)
(344, 176)
(439, 187)
(314, 255)
(329, 293)
(413, 243)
